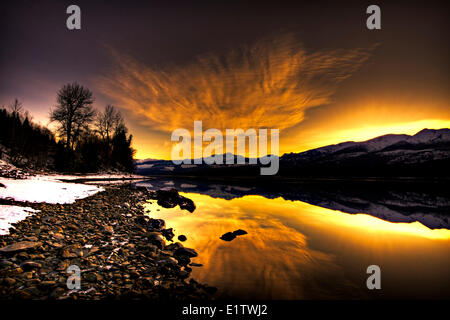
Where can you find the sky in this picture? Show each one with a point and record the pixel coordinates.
(310, 69)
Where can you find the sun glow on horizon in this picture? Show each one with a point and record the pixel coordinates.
(320, 140)
(367, 133)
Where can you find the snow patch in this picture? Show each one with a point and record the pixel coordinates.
(12, 214)
(45, 189)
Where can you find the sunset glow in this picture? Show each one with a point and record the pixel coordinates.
(296, 238)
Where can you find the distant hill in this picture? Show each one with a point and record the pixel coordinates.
(426, 153)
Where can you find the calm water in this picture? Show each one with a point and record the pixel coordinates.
(295, 250)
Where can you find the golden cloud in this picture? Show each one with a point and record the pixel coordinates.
(267, 85)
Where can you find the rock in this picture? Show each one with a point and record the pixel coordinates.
(57, 292)
(58, 236)
(169, 261)
(167, 198)
(67, 254)
(183, 274)
(109, 229)
(93, 250)
(186, 204)
(28, 265)
(232, 235)
(23, 295)
(62, 266)
(168, 234)
(93, 277)
(183, 260)
(71, 226)
(79, 252)
(9, 281)
(22, 255)
(239, 232)
(191, 253)
(174, 246)
(157, 224)
(156, 239)
(127, 258)
(193, 264)
(228, 236)
(55, 244)
(47, 283)
(5, 263)
(142, 220)
(182, 237)
(17, 271)
(20, 246)
(33, 291)
(171, 198)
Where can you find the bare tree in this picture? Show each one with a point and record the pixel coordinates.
(108, 122)
(16, 107)
(74, 112)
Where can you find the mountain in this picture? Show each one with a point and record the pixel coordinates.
(426, 153)
(167, 167)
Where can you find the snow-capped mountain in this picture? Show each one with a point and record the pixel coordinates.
(426, 152)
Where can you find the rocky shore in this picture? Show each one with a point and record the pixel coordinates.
(120, 251)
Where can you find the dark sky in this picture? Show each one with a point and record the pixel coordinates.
(409, 66)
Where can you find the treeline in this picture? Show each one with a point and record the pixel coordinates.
(25, 143)
(85, 140)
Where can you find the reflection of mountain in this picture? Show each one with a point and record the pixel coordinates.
(426, 153)
(397, 200)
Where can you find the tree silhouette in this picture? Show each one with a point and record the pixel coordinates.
(108, 121)
(74, 112)
(122, 152)
(16, 107)
(81, 147)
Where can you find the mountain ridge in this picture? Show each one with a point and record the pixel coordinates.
(426, 153)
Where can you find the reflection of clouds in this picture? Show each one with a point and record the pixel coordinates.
(296, 250)
(271, 261)
(269, 84)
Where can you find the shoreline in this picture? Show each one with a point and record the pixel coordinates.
(121, 252)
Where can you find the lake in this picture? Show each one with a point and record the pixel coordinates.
(297, 250)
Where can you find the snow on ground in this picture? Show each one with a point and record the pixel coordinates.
(12, 214)
(48, 189)
(45, 189)
(103, 176)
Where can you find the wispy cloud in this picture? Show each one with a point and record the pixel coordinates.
(269, 84)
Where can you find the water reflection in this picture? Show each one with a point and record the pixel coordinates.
(295, 250)
(401, 200)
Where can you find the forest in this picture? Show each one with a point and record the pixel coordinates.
(85, 139)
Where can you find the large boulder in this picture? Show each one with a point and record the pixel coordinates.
(187, 252)
(171, 198)
(20, 246)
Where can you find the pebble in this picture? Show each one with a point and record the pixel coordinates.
(119, 250)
